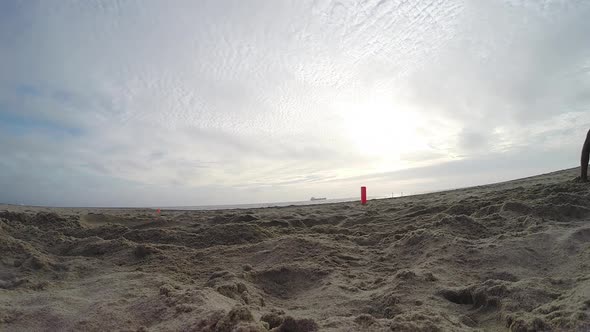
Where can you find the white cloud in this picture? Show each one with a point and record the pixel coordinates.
(282, 97)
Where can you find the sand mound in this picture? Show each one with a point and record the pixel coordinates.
(506, 257)
(461, 225)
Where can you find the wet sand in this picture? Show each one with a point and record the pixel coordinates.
(513, 256)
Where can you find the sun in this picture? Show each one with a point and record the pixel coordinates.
(383, 130)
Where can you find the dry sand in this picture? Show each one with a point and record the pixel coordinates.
(511, 256)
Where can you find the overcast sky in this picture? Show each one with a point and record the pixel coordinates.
(162, 103)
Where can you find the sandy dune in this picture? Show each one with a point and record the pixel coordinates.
(512, 256)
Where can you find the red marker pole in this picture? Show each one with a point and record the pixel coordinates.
(363, 195)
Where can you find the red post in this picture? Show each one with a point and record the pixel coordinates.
(363, 195)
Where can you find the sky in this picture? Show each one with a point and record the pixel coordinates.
(177, 103)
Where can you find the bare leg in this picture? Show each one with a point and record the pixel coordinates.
(585, 158)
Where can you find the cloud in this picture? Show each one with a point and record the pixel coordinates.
(141, 102)
(508, 64)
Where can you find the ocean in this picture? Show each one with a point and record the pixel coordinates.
(261, 205)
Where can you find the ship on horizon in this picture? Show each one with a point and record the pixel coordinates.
(318, 199)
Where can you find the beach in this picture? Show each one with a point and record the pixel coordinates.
(512, 256)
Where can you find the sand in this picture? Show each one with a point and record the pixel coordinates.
(506, 257)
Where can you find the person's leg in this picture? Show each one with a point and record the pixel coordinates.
(585, 158)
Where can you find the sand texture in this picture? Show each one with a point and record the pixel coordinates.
(506, 257)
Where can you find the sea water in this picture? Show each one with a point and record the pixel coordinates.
(259, 205)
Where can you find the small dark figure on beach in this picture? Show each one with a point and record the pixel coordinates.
(585, 158)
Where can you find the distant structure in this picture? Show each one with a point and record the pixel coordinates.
(318, 199)
(585, 158)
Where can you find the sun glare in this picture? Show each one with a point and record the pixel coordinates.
(385, 132)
